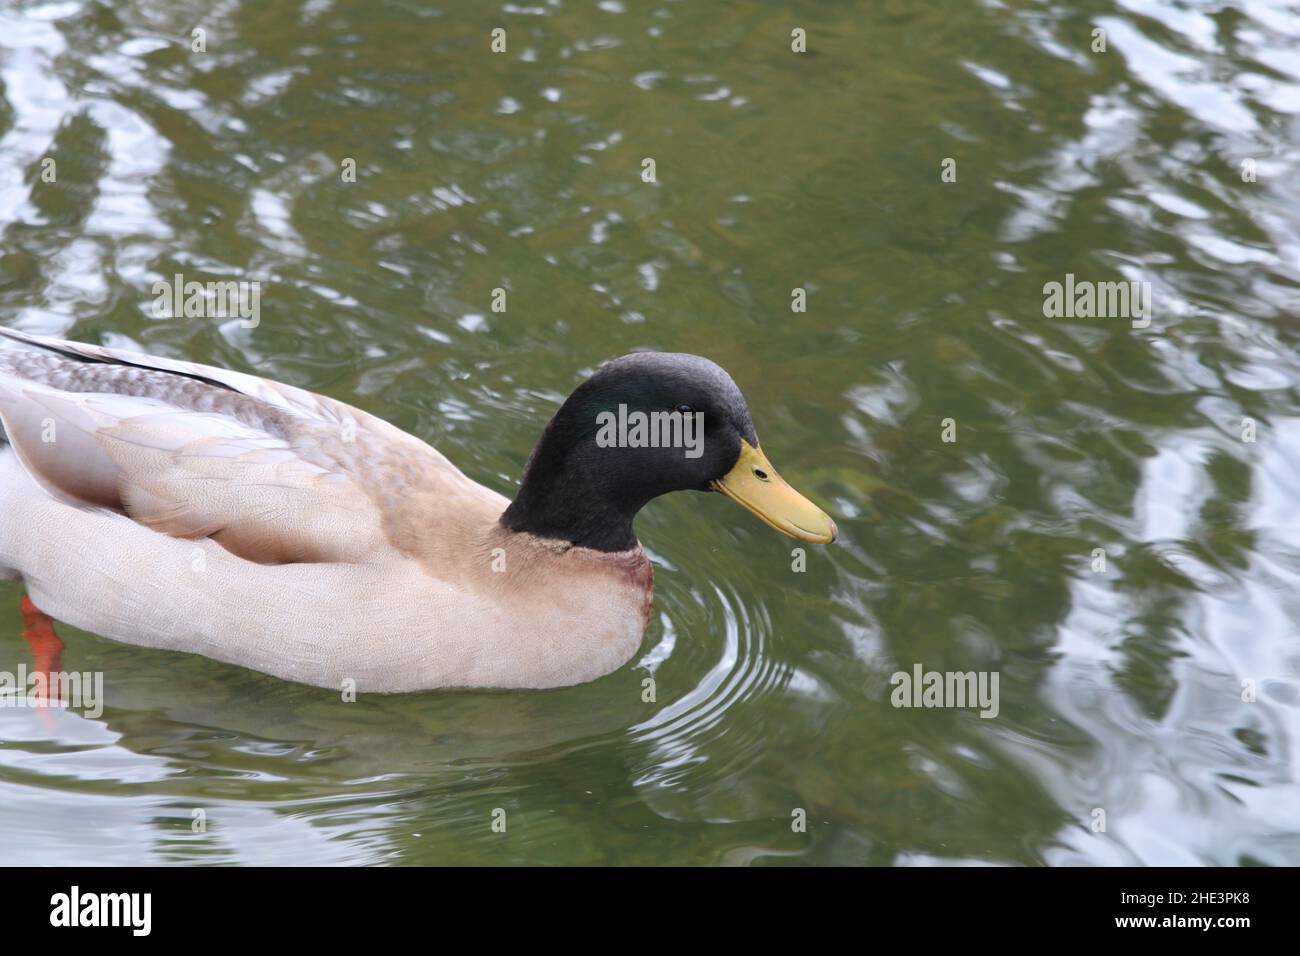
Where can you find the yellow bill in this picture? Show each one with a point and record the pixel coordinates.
(755, 484)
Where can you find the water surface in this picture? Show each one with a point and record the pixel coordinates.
(1120, 690)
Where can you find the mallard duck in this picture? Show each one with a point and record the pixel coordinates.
(180, 506)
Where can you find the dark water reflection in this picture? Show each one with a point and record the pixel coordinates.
(1119, 690)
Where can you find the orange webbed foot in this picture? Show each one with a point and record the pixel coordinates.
(47, 648)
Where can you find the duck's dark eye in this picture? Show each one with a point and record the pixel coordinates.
(685, 409)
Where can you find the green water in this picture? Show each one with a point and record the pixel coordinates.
(1120, 690)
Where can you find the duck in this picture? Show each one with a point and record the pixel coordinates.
(185, 507)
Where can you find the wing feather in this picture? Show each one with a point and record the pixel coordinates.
(259, 470)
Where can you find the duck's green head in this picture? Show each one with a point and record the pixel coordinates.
(644, 425)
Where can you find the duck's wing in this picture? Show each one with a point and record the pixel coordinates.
(273, 473)
(296, 401)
